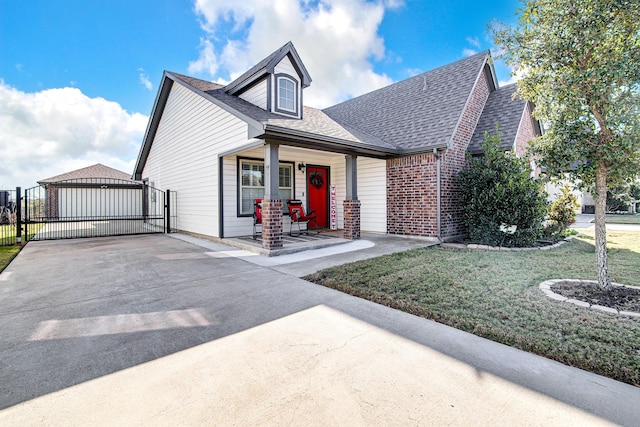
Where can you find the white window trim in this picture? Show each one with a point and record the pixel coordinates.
(279, 106)
(241, 187)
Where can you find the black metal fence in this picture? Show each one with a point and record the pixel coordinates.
(94, 207)
(9, 216)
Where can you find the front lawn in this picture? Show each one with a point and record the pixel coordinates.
(622, 219)
(495, 295)
(7, 253)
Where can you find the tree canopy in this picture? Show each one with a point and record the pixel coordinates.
(581, 65)
(580, 62)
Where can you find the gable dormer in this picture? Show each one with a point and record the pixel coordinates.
(275, 84)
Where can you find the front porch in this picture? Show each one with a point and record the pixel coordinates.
(290, 244)
(274, 173)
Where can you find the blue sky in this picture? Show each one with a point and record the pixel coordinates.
(78, 78)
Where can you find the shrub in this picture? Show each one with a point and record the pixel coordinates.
(561, 213)
(497, 191)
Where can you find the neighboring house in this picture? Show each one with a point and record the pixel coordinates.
(389, 158)
(92, 192)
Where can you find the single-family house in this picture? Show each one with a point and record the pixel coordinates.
(383, 162)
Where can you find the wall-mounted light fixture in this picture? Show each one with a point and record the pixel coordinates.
(301, 166)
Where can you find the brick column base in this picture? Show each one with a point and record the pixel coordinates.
(351, 219)
(271, 224)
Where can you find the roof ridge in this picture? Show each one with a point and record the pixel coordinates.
(104, 170)
(433, 70)
(256, 68)
(266, 66)
(190, 80)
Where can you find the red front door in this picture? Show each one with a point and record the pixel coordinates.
(317, 193)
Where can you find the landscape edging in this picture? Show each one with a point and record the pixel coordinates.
(546, 288)
(502, 248)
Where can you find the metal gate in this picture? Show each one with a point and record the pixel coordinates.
(9, 216)
(94, 207)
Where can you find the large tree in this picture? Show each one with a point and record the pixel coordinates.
(580, 65)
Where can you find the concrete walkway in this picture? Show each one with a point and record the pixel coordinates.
(155, 330)
(586, 221)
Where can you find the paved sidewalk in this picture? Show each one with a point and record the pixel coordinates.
(154, 330)
(585, 221)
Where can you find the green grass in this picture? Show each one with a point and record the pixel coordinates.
(495, 295)
(622, 219)
(7, 253)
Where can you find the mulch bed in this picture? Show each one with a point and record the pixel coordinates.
(620, 297)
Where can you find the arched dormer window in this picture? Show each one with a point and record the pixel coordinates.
(287, 99)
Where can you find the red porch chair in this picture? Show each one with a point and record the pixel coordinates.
(297, 216)
(257, 218)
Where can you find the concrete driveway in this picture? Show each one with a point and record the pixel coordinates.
(154, 330)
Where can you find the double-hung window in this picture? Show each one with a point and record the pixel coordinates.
(252, 184)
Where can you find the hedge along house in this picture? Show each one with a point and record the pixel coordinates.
(388, 157)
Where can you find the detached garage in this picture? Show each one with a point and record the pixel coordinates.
(92, 192)
(94, 201)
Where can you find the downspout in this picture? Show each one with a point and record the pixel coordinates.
(220, 198)
(436, 153)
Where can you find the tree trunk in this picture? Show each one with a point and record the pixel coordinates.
(602, 262)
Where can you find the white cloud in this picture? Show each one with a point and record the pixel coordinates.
(207, 61)
(337, 40)
(46, 133)
(144, 79)
(512, 79)
(468, 52)
(474, 41)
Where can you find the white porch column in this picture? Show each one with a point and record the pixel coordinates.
(271, 203)
(352, 204)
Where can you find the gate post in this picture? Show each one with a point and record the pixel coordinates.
(19, 215)
(167, 211)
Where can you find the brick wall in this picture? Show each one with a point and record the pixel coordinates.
(272, 224)
(525, 132)
(411, 195)
(351, 219)
(454, 160)
(412, 186)
(51, 206)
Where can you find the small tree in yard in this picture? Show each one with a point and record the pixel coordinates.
(580, 66)
(498, 192)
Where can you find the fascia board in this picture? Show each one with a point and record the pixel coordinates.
(152, 127)
(323, 143)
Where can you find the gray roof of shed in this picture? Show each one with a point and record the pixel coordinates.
(421, 112)
(505, 111)
(90, 172)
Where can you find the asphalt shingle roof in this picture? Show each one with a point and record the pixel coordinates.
(314, 121)
(95, 171)
(502, 109)
(261, 68)
(419, 112)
